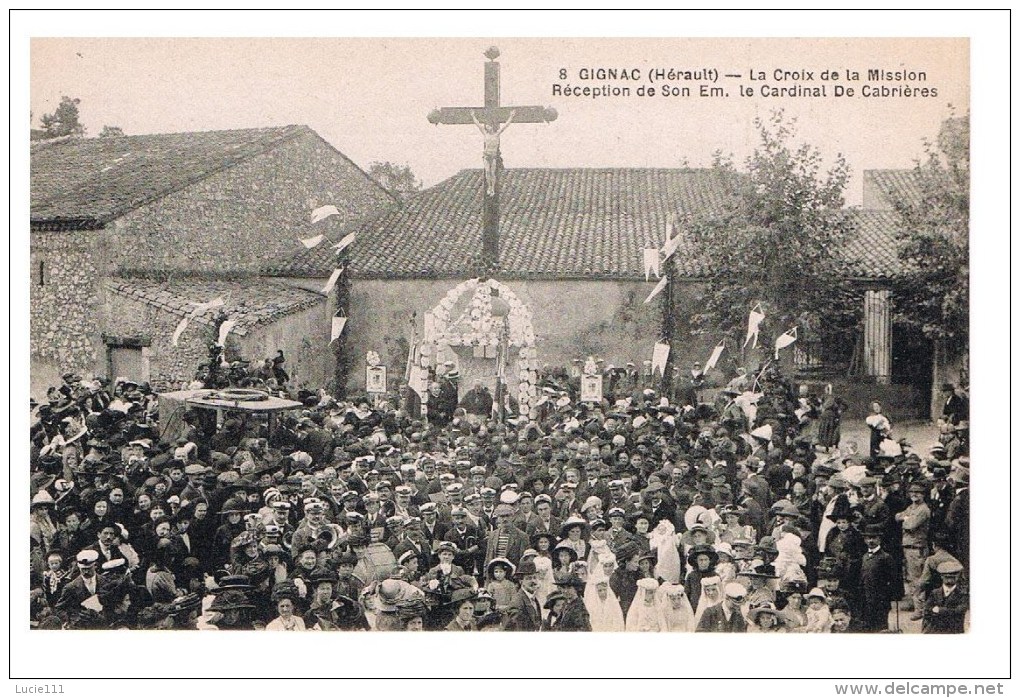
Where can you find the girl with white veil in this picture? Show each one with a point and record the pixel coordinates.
(643, 616)
(711, 595)
(675, 612)
(545, 572)
(604, 612)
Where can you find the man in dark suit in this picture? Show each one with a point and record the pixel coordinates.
(726, 616)
(106, 546)
(958, 516)
(81, 589)
(506, 540)
(574, 617)
(525, 611)
(946, 607)
(878, 582)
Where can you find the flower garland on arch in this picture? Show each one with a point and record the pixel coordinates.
(484, 329)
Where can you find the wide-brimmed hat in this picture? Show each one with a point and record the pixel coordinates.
(461, 595)
(564, 545)
(571, 522)
(762, 571)
(551, 600)
(702, 550)
(526, 567)
(841, 510)
(231, 600)
(501, 561)
(569, 580)
(553, 539)
(765, 608)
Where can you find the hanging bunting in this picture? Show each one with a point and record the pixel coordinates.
(344, 242)
(338, 327)
(670, 223)
(658, 289)
(332, 280)
(225, 330)
(753, 321)
(660, 353)
(309, 243)
(714, 358)
(199, 309)
(785, 340)
(324, 212)
(651, 262)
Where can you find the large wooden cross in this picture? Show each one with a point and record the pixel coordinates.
(491, 119)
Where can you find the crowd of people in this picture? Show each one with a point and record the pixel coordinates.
(645, 512)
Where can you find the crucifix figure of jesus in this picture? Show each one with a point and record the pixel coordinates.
(492, 120)
(490, 149)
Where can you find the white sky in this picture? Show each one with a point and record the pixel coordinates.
(370, 97)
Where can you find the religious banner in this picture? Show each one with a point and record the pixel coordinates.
(225, 330)
(199, 309)
(591, 388)
(375, 379)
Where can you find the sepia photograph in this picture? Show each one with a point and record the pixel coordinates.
(502, 334)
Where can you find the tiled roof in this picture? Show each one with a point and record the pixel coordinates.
(896, 185)
(871, 250)
(554, 224)
(250, 303)
(90, 181)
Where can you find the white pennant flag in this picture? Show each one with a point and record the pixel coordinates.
(344, 242)
(225, 330)
(714, 358)
(651, 262)
(337, 329)
(324, 212)
(753, 321)
(658, 289)
(670, 247)
(309, 243)
(332, 280)
(785, 340)
(199, 309)
(660, 353)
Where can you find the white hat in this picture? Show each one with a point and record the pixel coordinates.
(763, 432)
(735, 591)
(87, 557)
(816, 593)
(647, 583)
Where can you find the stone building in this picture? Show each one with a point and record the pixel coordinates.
(129, 233)
(571, 244)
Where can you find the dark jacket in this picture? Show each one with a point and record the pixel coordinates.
(713, 620)
(952, 609)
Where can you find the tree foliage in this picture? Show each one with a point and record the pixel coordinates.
(64, 120)
(111, 132)
(399, 179)
(777, 242)
(934, 293)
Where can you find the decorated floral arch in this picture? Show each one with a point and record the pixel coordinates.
(478, 327)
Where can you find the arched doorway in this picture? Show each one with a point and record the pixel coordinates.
(477, 321)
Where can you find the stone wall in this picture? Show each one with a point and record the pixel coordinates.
(572, 319)
(245, 216)
(303, 337)
(64, 332)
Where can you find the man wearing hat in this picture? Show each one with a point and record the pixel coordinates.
(929, 579)
(914, 520)
(877, 582)
(506, 541)
(79, 596)
(946, 608)
(469, 541)
(574, 617)
(525, 611)
(544, 521)
(725, 617)
(958, 516)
